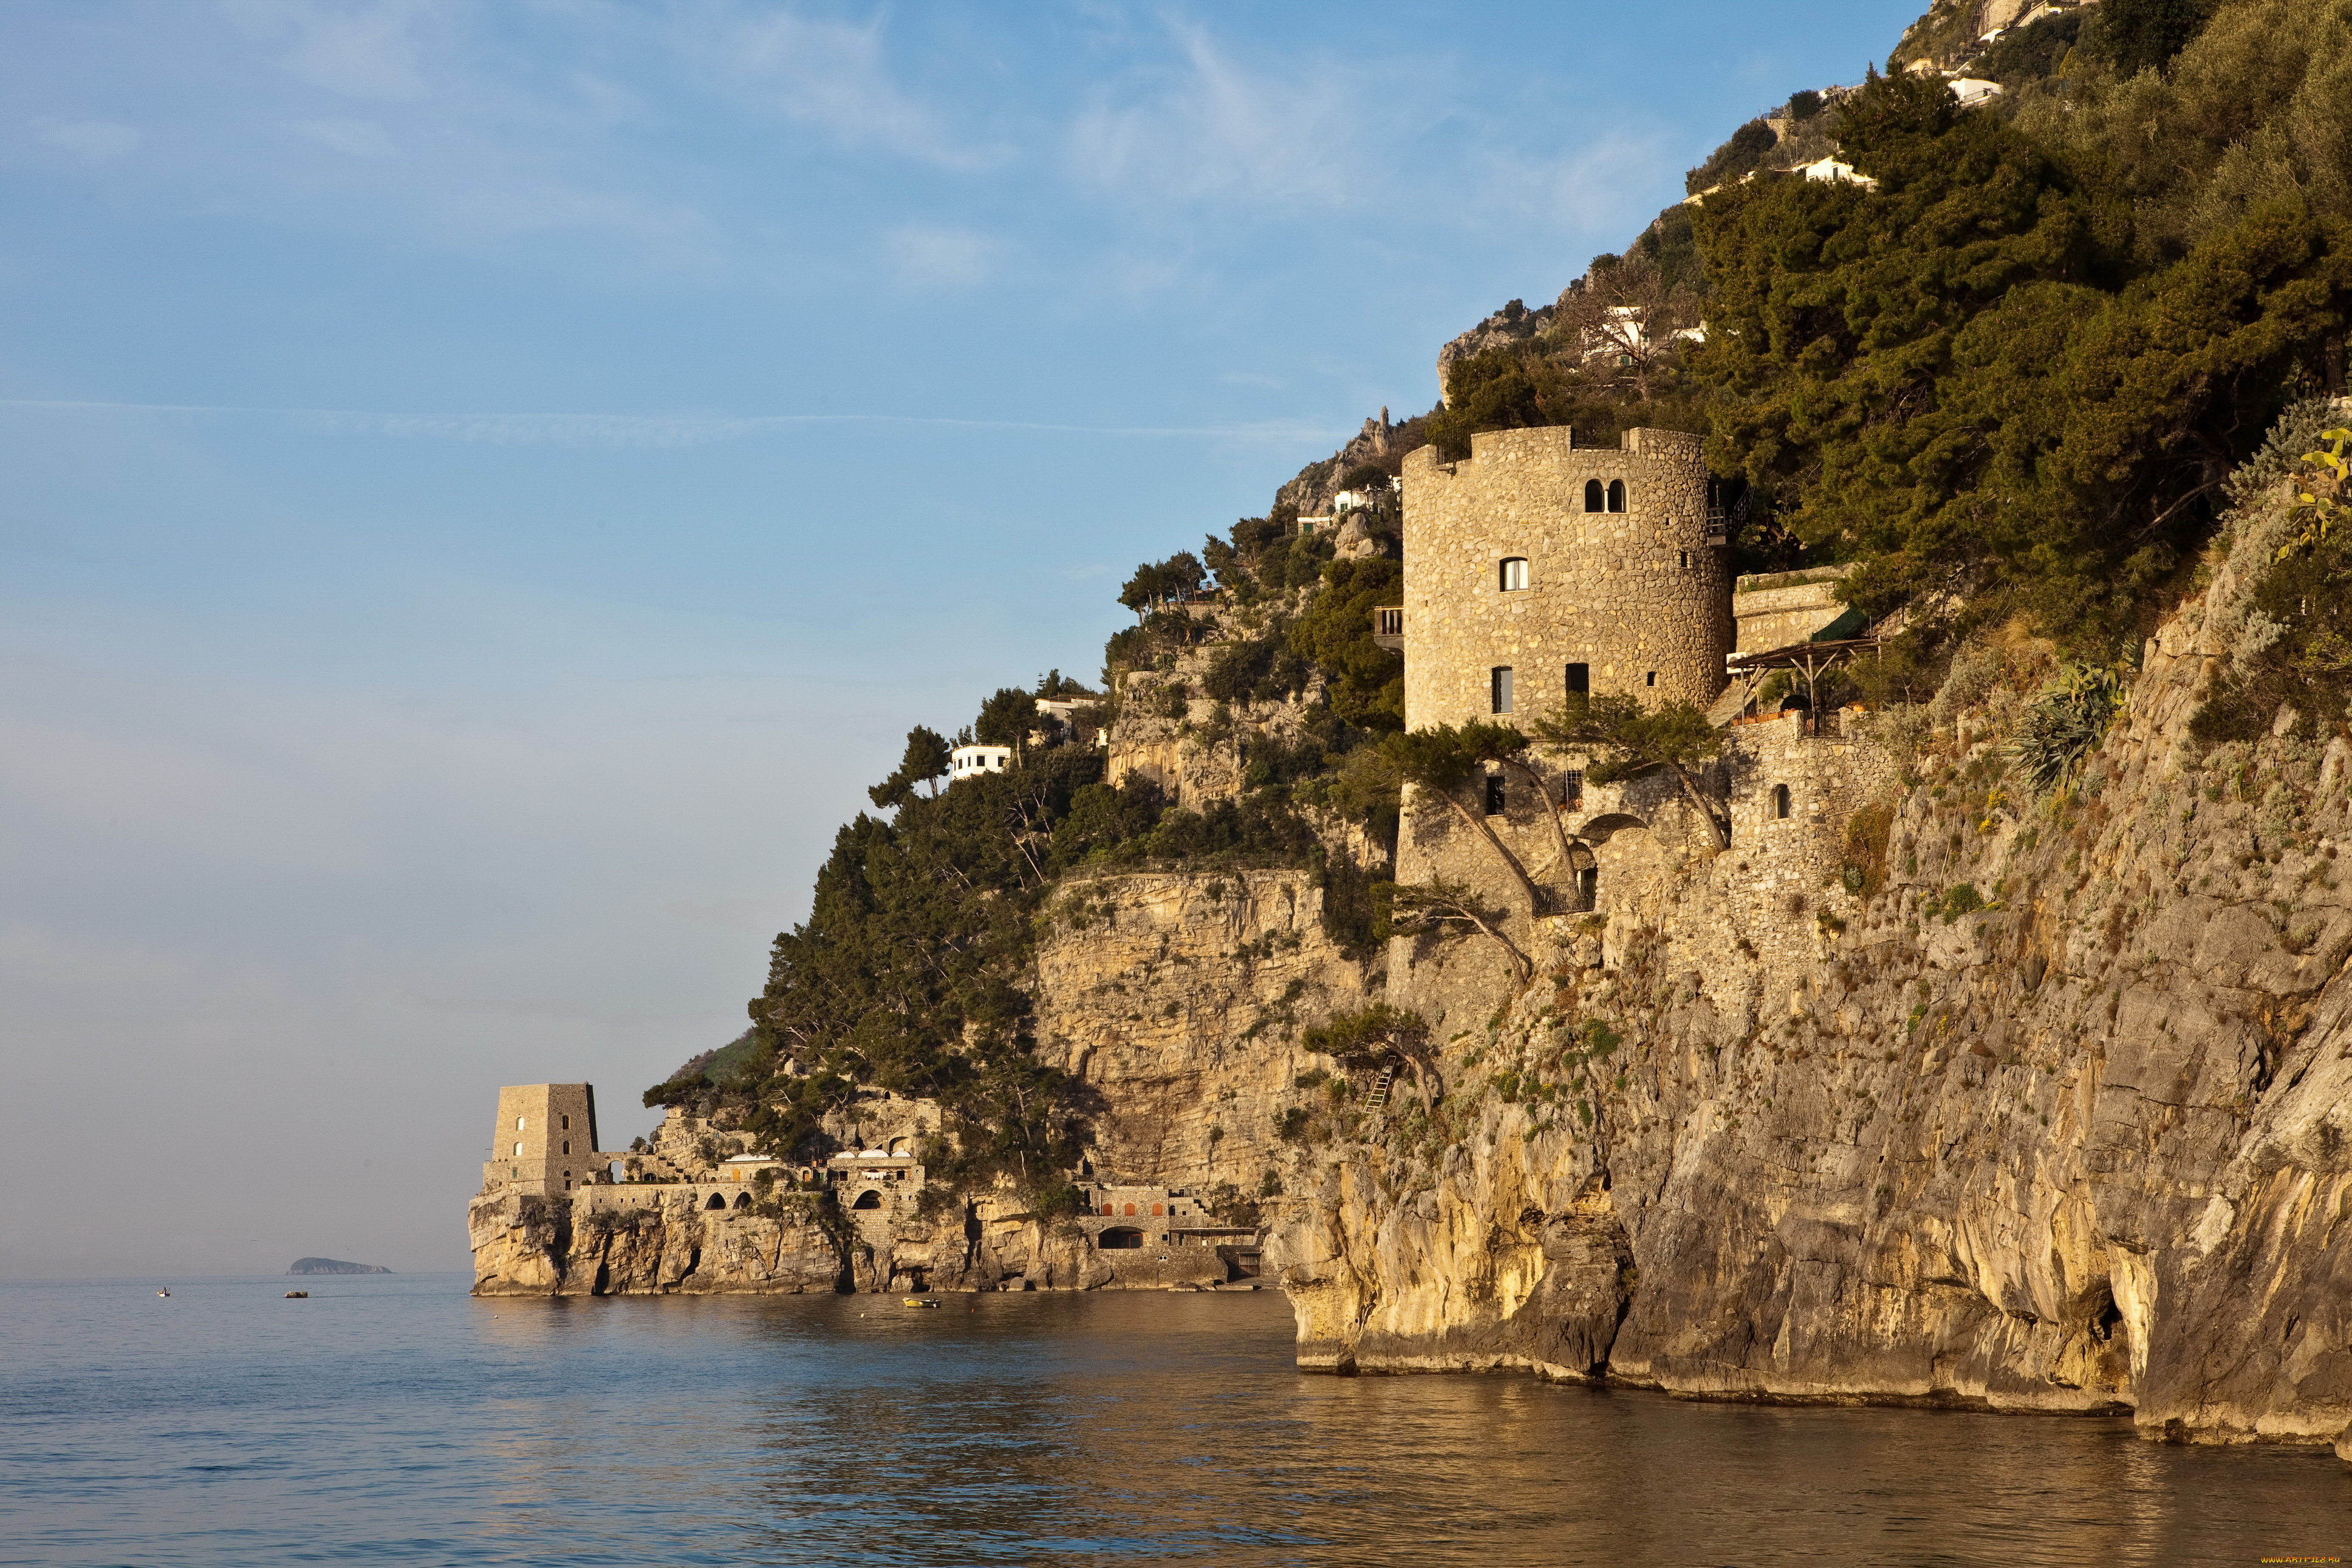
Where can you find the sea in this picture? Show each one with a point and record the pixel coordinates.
(395, 1419)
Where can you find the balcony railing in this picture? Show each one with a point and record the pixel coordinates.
(1388, 628)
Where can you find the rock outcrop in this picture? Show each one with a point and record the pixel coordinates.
(2059, 1118)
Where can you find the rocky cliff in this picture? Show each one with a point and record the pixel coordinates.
(2058, 1118)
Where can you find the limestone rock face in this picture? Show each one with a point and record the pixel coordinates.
(1179, 998)
(2078, 1140)
(663, 1241)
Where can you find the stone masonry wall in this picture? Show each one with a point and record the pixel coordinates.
(1625, 593)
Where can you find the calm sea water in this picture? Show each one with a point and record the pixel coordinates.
(397, 1420)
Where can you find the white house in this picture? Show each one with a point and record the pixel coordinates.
(968, 761)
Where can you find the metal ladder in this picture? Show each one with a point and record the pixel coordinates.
(1378, 1099)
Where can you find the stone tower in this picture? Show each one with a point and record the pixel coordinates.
(1535, 564)
(545, 1139)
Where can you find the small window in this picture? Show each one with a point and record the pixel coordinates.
(1579, 680)
(1616, 495)
(1588, 887)
(1500, 683)
(1780, 802)
(1682, 559)
(1650, 679)
(567, 1146)
(517, 1123)
(1594, 499)
(1130, 1208)
(518, 1153)
(1155, 1208)
(1572, 789)
(1494, 794)
(567, 1123)
(1515, 573)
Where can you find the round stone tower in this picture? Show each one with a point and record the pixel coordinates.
(1535, 567)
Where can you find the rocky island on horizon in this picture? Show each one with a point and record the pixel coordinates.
(333, 1266)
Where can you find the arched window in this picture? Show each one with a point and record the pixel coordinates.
(1515, 573)
(567, 1146)
(518, 1153)
(870, 1199)
(1155, 1208)
(567, 1123)
(519, 1123)
(1130, 1208)
(1780, 802)
(1616, 495)
(1594, 499)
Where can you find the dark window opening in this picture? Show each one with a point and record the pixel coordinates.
(567, 1146)
(1579, 680)
(870, 1199)
(1616, 495)
(567, 1122)
(1781, 801)
(1494, 794)
(1572, 789)
(1682, 558)
(1594, 500)
(1650, 679)
(1501, 692)
(1588, 887)
(1120, 1239)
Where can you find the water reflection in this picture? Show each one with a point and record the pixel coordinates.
(406, 1422)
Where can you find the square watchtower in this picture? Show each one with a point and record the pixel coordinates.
(545, 1139)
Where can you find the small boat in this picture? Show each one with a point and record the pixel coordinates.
(297, 1295)
(162, 1292)
(918, 1302)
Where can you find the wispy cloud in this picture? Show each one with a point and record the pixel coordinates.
(92, 141)
(835, 78)
(368, 50)
(619, 430)
(1211, 127)
(931, 255)
(356, 138)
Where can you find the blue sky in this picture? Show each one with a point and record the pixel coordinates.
(484, 488)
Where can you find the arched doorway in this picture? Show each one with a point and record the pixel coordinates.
(1120, 1239)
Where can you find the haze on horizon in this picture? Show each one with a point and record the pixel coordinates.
(487, 487)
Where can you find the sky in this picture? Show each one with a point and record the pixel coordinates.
(485, 487)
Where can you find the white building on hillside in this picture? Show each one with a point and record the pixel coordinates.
(970, 761)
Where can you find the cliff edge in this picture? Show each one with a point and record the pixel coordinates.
(2060, 1119)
